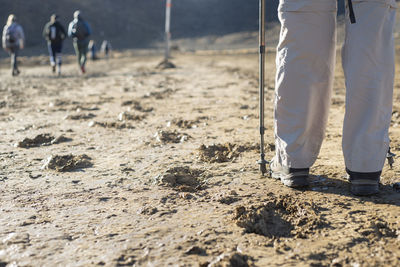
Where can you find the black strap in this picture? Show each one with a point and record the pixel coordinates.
(351, 12)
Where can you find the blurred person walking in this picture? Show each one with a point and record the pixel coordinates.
(55, 34)
(92, 50)
(106, 48)
(13, 39)
(80, 31)
(304, 80)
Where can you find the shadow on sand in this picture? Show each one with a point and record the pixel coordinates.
(387, 194)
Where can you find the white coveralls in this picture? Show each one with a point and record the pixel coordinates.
(305, 67)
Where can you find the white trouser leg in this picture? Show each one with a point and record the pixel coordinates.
(368, 63)
(305, 66)
(59, 59)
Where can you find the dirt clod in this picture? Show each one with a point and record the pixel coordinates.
(171, 137)
(165, 64)
(182, 179)
(82, 116)
(378, 228)
(126, 116)
(113, 124)
(184, 124)
(195, 250)
(125, 260)
(67, 163)
(230, 260)
(160, 94)
(222, 152)
(279, 217)
(136, 105)
(227, 197)
(147, 210)
(42, 140)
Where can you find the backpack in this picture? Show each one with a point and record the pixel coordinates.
(80, 30)
(11, 36)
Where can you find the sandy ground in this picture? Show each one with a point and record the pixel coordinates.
(137, 166)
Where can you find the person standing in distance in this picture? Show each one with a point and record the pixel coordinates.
(80, 31)
(13, 39)
(55, 34)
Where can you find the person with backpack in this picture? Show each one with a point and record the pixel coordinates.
(13, 39)
(55, 34)
(304, 80)
(80, 31)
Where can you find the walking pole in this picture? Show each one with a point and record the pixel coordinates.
(167, 29)
(166, 64)
(262, 162)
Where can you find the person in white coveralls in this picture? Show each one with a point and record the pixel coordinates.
(305, 67)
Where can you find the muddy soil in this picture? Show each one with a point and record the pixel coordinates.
(45, 139)
(170, 177)
(65, 163)
(223, 152)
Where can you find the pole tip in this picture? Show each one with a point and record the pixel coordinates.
(263, 166)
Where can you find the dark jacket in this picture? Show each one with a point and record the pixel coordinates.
(79, 30)
(54, 32)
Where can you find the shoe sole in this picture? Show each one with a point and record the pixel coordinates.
(364, 187)
(364, 190)
(296, 181)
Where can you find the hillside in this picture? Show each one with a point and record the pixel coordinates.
(137, 23)
(205, 24)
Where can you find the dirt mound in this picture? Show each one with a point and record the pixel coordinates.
(3, 104)
(196, 250)
(67, 163)
(165, 64)
(377, 228)
(171, 137)
(80, 108)
(124, 260)
(230, 260)
(279, 217)
(42, 140)
(126, 116)
(182, 178)
(227, 197)
(147, 210)
(136, 105)
(82, 116)
(222, 152)
(184, 124)
(112, 124)
(62, 102)
(160, 94)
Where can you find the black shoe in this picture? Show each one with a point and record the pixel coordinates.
(364, 183)
(53, 68)
(290, 177)
(15, 72)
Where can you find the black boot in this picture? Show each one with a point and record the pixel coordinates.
(364, 183)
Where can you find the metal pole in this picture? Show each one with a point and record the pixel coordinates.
(167, 29)
(262, 162)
